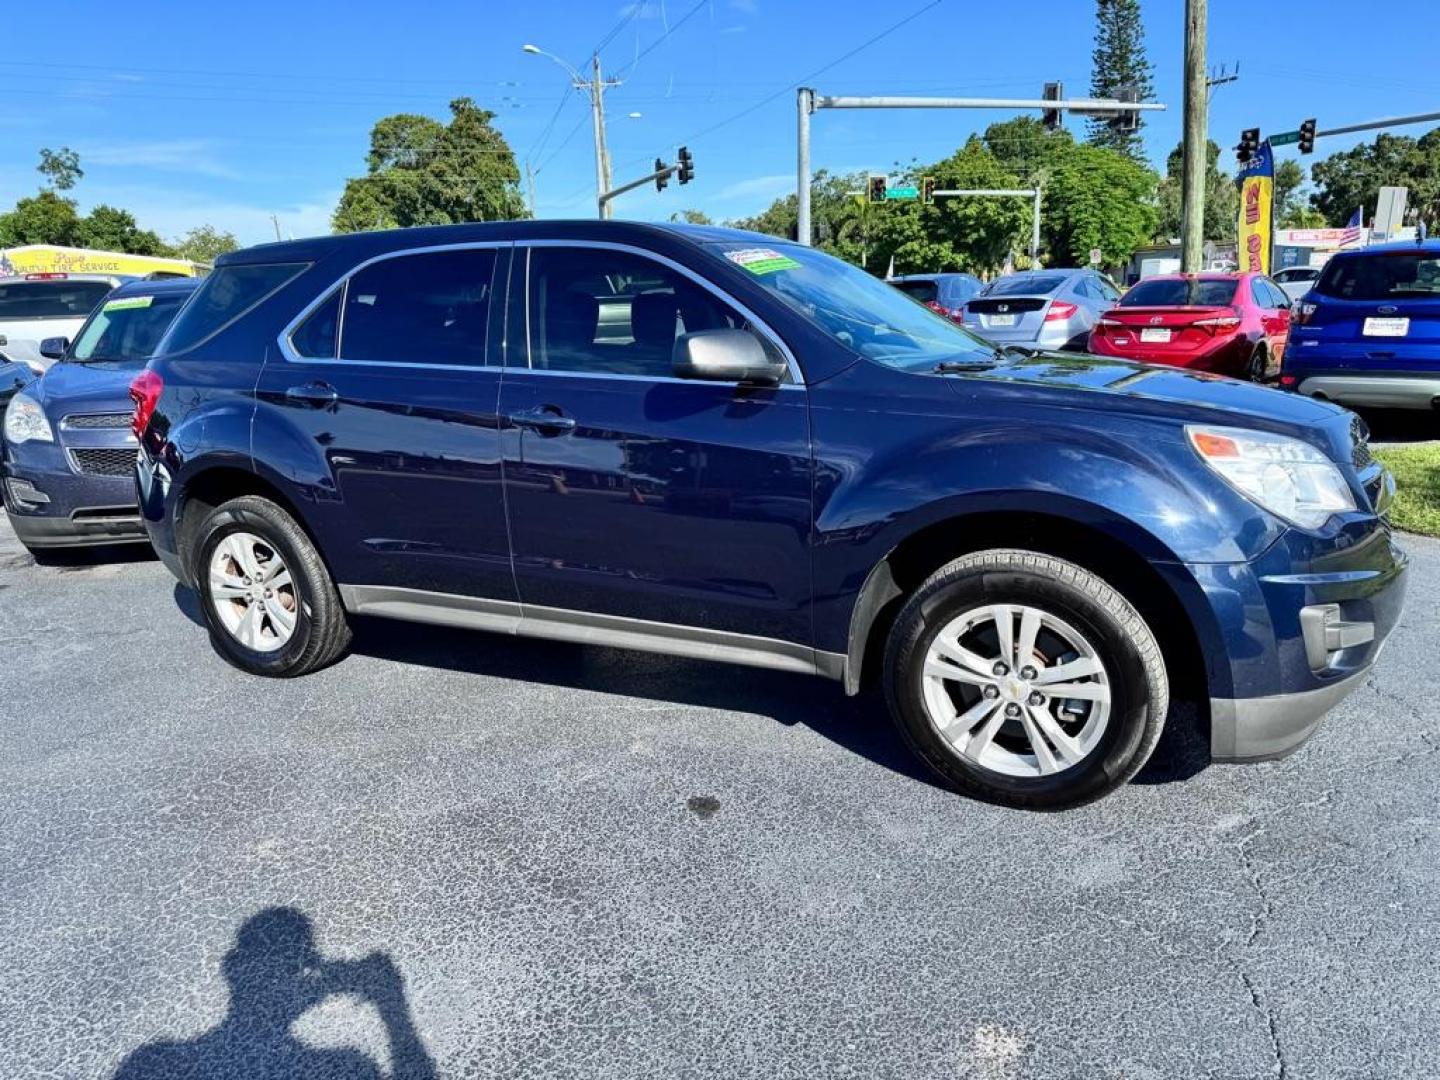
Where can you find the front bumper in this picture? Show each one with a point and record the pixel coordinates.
(78, 509)
(1301, 626)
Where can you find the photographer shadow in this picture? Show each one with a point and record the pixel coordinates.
(276, 975)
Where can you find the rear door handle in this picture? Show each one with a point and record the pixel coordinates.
(315, 394)
(547, 420)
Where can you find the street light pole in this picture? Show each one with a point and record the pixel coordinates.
(805, 102)
(594, 86)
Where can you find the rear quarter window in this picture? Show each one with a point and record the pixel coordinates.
(227, 294)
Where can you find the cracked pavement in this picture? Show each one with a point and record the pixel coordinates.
(589, 863)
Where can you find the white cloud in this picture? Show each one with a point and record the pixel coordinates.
(771, 186)
(196, 156)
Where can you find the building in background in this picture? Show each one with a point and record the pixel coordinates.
(53, 259)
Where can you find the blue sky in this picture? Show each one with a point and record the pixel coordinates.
(225, 114)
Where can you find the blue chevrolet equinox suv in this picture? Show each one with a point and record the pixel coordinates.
(717, 444)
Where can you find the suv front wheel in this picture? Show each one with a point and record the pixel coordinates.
(1025, 680)
(267, 598)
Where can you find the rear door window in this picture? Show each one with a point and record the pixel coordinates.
(1401, 275)
(428, 308)
(226, 294)
(50, 299)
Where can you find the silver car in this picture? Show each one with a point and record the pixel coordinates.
(1295, 281)
(1041, 309)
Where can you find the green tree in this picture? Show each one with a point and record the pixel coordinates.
(1353, 179)
(1222, 198)
(61, 167)
(46, 218)
(1026, 147)
(1099, 199)
(840, 221)
(1118, 63)
(108, 228)
(1292, 209)
(423, 172)
(692, 217)
(203, 244)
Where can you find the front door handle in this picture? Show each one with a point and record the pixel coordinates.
(547, 420)
(318, 395)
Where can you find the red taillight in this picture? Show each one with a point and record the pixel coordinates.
(1217, 323)
(1060, 311)
(1304, 311)
(145, 391)
(46, 277)
(1288, 380)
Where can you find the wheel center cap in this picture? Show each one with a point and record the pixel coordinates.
(1013, 689)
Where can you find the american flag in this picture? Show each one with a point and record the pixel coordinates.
(1354, 229)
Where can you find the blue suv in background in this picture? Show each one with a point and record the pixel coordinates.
(1368, 331)
(68, 469)
(717, 444)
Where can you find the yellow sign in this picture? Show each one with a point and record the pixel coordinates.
(1257, 194)
(52, 259)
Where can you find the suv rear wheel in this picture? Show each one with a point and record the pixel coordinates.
(267, 597)
(1026, 680)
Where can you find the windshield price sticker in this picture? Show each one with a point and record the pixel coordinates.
(761, 260)
(127, 302)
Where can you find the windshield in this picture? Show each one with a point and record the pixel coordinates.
(862, 312)
(127, 328)
(50, 299)
(1381, 277)
(1181, 292)
(1024, 285)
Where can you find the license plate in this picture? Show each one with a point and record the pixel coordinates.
(1155, 334)
(1386, 327)
(1000, 320)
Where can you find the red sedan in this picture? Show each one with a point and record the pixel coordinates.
(1231, 324)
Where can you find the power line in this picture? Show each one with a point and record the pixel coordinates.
(656, 43)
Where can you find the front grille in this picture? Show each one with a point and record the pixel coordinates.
(108, 461)
(1360, 455)
(90, 421)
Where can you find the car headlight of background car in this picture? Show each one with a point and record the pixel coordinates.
(1288, 477)
(25, 421)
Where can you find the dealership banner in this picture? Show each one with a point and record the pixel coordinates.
(1257, 196)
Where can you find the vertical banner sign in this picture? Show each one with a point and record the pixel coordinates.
(1257, 196)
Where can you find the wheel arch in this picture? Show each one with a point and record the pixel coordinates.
(217, 483)
(1143, 571)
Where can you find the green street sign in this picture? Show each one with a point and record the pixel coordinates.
(1285, 138)
(902, 193)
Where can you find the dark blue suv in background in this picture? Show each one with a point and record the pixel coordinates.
(718, 444)
(68, 470)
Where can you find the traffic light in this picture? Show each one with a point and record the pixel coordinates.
(875, 190)
(1249, 145)
(686, 172)
(1307, 136)
(927, 189)
(1052, 118)
(664, 177)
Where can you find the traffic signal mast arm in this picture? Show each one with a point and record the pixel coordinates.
(683, 169)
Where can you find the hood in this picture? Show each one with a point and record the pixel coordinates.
(103, 386)
(1156, 390)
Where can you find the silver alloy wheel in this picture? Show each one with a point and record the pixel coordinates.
(1016, 690)
(252, 592)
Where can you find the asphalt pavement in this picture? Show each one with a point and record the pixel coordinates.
(456, 854)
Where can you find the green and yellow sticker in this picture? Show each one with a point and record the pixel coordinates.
(761, 260)
(125, 303)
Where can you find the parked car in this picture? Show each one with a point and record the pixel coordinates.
(14, 377)
(1295, 281)
(1368, 331)
(1041, 309)
(1229, 324)
(39, 306)
(943, 293)
(68, 463)
(716, 444)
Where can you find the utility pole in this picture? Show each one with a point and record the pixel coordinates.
(276, 222)
(602, 155)
(530, 183)
(1197, 140)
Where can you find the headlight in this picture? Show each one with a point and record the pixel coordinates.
(25, 420)
(1288, 477)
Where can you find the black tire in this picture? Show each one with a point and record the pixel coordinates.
(1123, 643)
(321, 634)
(1255, 370)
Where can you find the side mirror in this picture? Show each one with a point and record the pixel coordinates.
(53, 348)
(726, 356)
